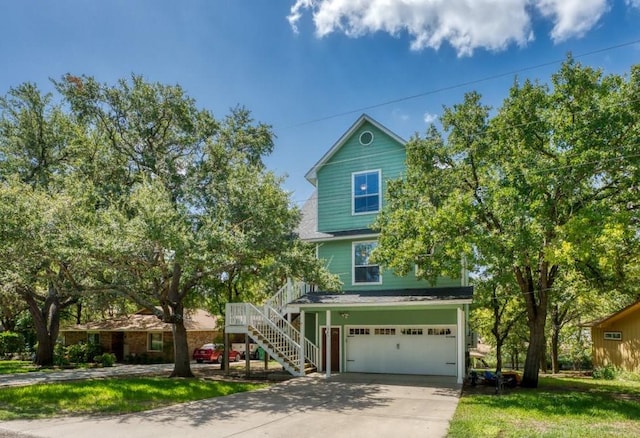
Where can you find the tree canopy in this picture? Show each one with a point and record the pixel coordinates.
(528, 188)
(131, 189)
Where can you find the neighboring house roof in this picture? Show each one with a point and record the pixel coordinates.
(462, 294)
(195, 320)
(307, 230)
(603, 322)
(311, 175)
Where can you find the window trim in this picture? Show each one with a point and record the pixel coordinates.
(366, 131)
(612, 336)
(353, 192)
(149, 343)
(353, 265)
(94, 333)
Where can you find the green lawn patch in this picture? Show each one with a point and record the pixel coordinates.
(16, 366)
(110, 396)
(560, 407)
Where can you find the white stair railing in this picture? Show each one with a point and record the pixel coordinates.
(274, 334)
(291, 291)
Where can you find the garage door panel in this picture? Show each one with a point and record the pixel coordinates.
(402, 350)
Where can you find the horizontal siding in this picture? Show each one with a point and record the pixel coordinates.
(338, 258)
(623, 354)
(334, 178)
(392, 317)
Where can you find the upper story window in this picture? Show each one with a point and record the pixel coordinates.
(364, 271)
(366, 192)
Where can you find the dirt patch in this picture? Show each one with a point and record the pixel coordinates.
(238, 373)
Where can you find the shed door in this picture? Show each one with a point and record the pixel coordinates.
(402, 350)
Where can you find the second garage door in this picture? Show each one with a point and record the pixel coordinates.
(402, 349)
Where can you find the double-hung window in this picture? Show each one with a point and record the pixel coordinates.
(364, 271)
(366, 192)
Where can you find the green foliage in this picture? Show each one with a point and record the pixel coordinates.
(60, 356)
(527, 189)
(109, 396)
(11, 342)
(559, 407)
(83, 352)
(105, 359)
(15, 366)
(607, 372)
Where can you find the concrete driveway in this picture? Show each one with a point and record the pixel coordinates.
(346, 405)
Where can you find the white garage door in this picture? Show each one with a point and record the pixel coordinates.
(402, 349)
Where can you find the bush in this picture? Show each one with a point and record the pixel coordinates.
(77, 353)
(83, 353)
(11, 342)
(608, 372)
(60, 355)
(105, 359)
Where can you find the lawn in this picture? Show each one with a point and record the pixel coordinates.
(110, 396)
(16, 366)
(560, 407)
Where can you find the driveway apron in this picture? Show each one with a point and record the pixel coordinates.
(346, 405)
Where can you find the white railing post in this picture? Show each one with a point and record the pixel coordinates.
(302, 343)
(327, 342)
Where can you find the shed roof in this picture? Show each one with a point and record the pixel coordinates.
(462, 294)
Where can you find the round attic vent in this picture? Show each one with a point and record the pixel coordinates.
(366, 138)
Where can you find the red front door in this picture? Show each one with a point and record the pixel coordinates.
(335, 349)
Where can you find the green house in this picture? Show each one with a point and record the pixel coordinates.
(380, 322)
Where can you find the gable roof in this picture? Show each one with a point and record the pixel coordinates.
(195, 320)
(311, 175)
(603, 322)
(435, 295)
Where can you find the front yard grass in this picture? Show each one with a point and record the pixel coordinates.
(559, 407)
(16, 366)
(110, 396)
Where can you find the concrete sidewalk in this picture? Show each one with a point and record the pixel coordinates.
(347, 405)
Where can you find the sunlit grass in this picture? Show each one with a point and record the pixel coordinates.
(560, 407)
(109, 396)
(16, 366)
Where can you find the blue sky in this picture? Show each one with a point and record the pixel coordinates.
(311, 67)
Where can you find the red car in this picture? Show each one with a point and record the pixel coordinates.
(213, 353)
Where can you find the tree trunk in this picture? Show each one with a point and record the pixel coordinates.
(498, 357)
(555, 339)
(535, 353)
(47, 324)
(182, 364)
(536, 298)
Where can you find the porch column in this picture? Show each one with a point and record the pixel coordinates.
(327, 343)
(247, 354)
(302, 346)
(460, 317)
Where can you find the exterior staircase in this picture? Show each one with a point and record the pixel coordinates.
(269, 328)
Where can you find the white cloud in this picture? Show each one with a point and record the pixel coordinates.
(466, 25)
(633, 3)
(572, 18)
(399, 114)
(430, 118)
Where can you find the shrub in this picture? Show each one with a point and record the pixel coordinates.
(60, 355)
(11, 342)
(608, 372)
(105, 359)
(77, 353)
